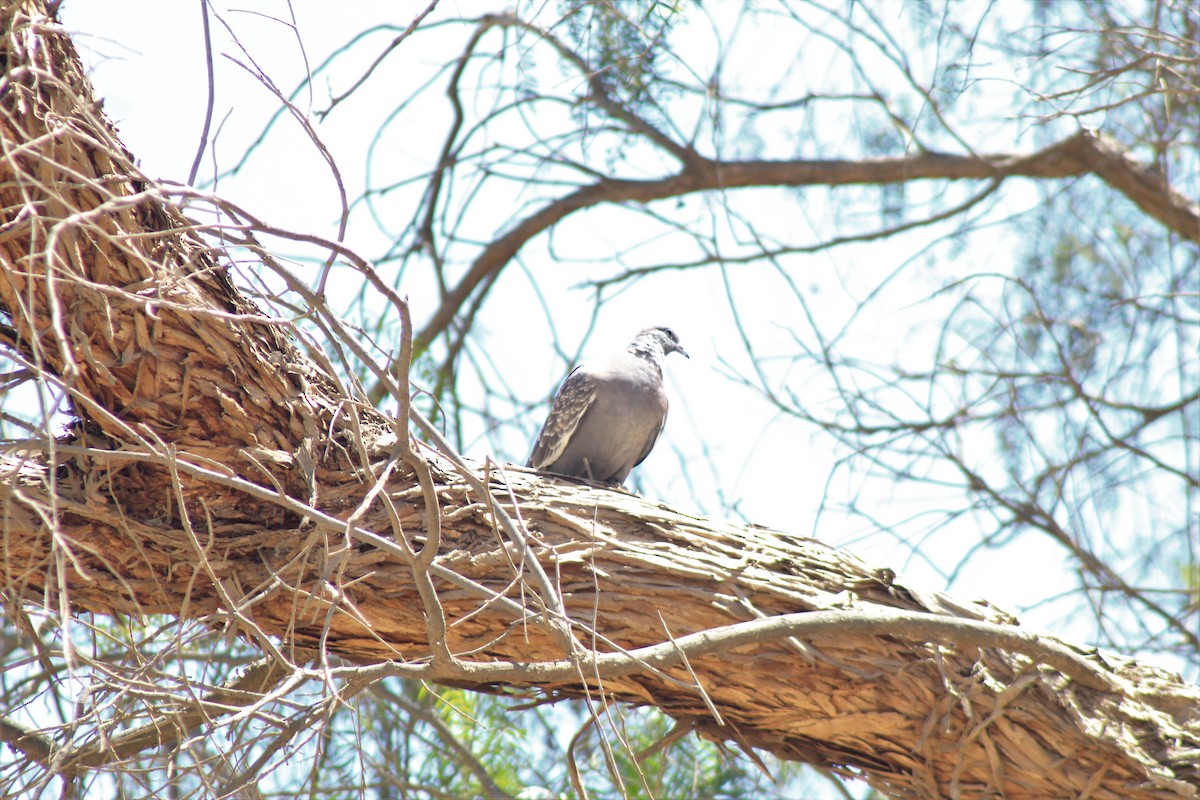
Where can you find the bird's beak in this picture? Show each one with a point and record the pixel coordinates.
(682, 352)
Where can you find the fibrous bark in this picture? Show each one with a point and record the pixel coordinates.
(219, 474)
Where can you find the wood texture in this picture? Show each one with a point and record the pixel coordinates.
(219, 474)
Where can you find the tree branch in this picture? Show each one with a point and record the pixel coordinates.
(225, 484)
(1082, 154)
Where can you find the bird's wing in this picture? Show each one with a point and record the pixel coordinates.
(574, 398)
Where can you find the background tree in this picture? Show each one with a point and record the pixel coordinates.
(812, 185)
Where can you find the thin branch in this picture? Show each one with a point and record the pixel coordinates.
(246, 690)
(905, 626)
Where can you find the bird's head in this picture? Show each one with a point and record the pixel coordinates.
(657, 340)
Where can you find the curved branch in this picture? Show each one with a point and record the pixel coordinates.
(911, 628)
(1082, 154)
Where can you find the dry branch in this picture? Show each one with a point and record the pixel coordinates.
(1082, 154)
(217, 474)
(1085, 153)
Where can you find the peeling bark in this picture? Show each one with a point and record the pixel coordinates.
(219, 474)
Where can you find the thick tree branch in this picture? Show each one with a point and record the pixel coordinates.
(216, 479)
(839, 688)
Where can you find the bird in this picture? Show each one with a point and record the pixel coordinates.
(608, 413)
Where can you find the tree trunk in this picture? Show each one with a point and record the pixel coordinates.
(217, 473)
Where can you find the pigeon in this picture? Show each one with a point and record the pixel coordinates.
(608, 413)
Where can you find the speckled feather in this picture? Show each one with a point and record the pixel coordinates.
(574, 398)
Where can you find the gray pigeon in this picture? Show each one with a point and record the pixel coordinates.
(608, 413)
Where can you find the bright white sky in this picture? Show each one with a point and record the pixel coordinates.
(147, 62)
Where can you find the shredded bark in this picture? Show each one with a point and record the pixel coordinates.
(219, 474)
